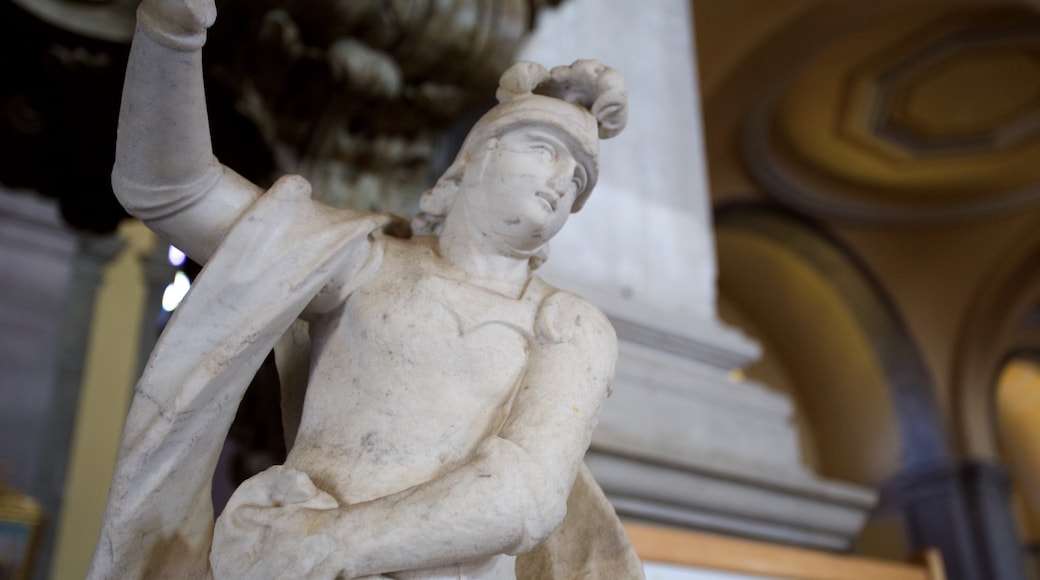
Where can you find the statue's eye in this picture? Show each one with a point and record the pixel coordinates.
(545, 150)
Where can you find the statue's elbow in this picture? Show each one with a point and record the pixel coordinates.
(137, 198)
(545, 511)
(533, 490)
(149, 196)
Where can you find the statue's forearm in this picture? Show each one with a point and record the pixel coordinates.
(165, 172)
(502, 502)
(163, 143)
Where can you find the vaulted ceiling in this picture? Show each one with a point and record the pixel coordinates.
(885, 111)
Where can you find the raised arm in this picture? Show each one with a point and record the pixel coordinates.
(507, 499)
(165, 172)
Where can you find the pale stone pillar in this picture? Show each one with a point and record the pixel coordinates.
(683, 440)
(644, 238)
(76, 317)
(122, 320)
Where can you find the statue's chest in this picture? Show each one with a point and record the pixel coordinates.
(435, 333)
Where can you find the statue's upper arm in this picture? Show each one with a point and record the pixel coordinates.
(570, 374)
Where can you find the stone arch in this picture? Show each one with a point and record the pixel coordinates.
(865, 390)
(1004, 320)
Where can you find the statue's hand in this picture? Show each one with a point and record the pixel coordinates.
(275, 526)
(180, 24)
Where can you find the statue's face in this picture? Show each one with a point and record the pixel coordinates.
(520, 189)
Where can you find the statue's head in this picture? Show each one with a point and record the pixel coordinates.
(566, 110)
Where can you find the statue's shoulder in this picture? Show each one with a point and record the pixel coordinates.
(578, 344)
(287, 206)
(565, 317)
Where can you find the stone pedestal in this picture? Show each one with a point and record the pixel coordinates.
(684, 439)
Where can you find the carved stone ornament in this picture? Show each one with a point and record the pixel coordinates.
(438, 396)
(357, 96)
(367, 99)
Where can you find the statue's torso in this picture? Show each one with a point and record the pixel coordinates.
(410, 375)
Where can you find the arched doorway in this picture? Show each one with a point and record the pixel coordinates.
(997, 386)
(835, 344)
(830, 332)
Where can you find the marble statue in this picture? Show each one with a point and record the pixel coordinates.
(438, 396)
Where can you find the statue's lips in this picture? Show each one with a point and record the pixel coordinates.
(548, 197)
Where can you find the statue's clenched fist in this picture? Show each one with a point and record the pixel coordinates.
(179, 24)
